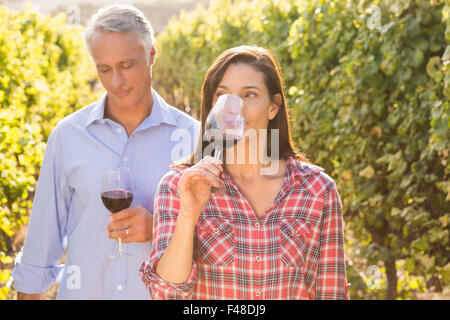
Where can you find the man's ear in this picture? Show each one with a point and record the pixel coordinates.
(275, 106)
(152, 57)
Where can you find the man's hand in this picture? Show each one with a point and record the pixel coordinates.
(27, 296)
(137, 223)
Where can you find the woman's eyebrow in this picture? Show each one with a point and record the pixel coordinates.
(245, 87)
(252, 87)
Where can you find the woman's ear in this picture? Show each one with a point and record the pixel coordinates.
(275, 106)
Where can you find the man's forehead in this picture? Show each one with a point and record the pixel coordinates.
(115, 47)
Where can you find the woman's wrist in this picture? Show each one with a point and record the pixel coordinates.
(188, 216)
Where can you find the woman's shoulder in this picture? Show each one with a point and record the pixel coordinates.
(313, 177)
(172, 177)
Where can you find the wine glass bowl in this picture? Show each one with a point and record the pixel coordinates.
(225, 123)
(117, 195)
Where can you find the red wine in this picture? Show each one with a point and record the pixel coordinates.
(117, 200)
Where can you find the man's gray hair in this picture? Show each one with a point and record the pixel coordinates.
(121, 18)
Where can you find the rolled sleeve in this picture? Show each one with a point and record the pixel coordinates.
(163, 290)
(34, 279)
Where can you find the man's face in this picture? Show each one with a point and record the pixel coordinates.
(122, 67)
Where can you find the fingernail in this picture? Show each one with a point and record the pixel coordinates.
(111, 219)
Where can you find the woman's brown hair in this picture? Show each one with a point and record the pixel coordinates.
(262, 60)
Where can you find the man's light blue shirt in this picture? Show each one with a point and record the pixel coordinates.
(68, 214)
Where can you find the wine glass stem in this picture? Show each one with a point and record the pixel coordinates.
(217, 152)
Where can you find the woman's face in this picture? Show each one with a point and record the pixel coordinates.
(243, 80)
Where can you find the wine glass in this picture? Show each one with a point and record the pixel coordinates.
(225, 124)
(117, 194)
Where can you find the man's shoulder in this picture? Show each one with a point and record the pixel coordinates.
(76, 118)
(183, 119)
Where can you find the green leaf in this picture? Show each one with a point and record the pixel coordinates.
(367, 172)
(434, 69)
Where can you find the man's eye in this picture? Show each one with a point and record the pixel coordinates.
(103, 70)
(127, 66)
(250, 95)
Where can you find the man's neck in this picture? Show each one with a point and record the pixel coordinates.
(129, 118)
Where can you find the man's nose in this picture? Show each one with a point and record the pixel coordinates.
(117, 79)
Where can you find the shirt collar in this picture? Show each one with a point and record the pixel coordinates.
(298, 170)
(161, 112)
(98, 111)
(295, 170)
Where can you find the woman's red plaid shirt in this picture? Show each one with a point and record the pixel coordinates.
(294, 251)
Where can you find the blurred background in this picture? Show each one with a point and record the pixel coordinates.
(368, 89)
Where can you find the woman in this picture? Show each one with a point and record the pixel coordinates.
(265, 236)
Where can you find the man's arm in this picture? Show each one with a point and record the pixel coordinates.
(36, 266)
(26, 296)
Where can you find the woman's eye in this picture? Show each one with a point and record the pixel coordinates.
(250, 95)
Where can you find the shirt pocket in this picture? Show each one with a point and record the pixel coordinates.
(216, 241)
(293, 242)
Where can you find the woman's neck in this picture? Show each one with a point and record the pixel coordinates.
(248, 165)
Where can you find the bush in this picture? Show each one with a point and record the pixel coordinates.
(44, 74)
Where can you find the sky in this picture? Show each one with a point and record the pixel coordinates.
(48, 5)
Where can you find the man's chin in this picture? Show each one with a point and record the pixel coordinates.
(127, 102)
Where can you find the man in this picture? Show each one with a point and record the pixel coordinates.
(130, 126)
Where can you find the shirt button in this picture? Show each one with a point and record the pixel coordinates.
(257, 224)
(125, 159)
(257, 293)
(294, 232)
(119, 130)
(216, 230)
(258, 258)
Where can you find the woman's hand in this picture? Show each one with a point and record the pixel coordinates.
(195, 186)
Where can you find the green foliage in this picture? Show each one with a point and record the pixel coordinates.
(44, 73)
(368, 84)
(189, 44)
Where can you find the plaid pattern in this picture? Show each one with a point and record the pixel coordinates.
(295, 251)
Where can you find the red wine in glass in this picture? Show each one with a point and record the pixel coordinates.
(117, 200)
(117, 195)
